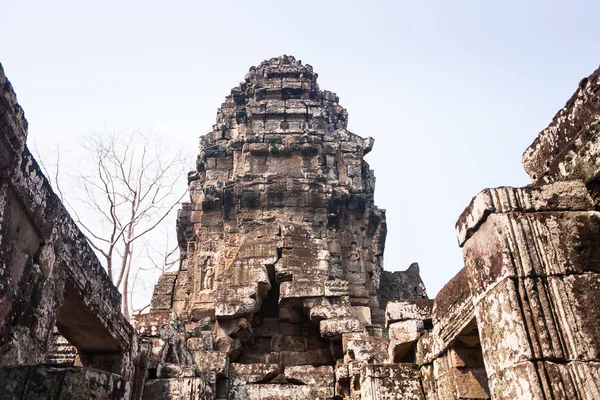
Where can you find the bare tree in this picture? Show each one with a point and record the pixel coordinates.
(127, 186)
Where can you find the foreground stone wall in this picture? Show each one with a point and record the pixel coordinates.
(51, 279)
(521, 320)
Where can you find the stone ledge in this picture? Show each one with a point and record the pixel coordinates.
(559, 196)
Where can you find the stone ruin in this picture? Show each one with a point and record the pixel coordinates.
(281, 293)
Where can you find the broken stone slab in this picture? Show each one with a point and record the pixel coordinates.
(346, 337)
(559, 196)
(568, 148)
(403, 338)
(334, 328)
(329, 311)
(424, 353)
(235, 308)
(292, 289)
(198, 312)
(406, 331)
(255, 373)
(240, 328)
(367, 349)
(399, 352)
(310, 375)
(231, 346)
(401, 310)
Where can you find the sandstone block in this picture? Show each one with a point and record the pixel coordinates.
(401, 310)
(424, 352)
(291, 314)
(269, 327)
(150, 324)
(568, 148)
(172, 370)
(288, 329)
(429, 382)
(44, 382)
(309, 375)
(334, 328)
(391, 381)
(326, 311)
(463, 383)
(299, 289)
(504, 339)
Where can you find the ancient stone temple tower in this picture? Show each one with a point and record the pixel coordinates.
(281, 208)
(282, 244)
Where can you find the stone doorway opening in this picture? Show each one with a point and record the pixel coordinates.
(466, 358)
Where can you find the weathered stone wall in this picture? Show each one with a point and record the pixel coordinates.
(50, 277)
(521, 321)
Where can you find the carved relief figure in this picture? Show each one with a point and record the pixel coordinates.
(209, 272)
(353, 258)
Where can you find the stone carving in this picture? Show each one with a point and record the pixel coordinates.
(353, 254)
(209, 272)
(278, 297)
(353, 263)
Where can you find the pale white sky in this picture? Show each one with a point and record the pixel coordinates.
(452, 92)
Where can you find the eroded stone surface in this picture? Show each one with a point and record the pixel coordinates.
(569, 148)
